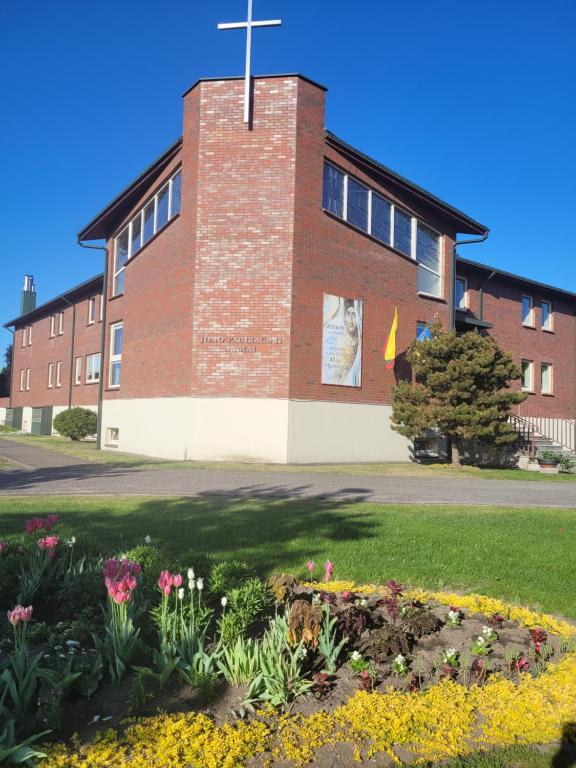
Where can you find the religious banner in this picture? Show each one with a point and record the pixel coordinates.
(342, 341)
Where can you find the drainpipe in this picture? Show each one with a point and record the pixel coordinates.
(452, 308)
(102, 339)
(70, 304)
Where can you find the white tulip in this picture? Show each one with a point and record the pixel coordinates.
(190, 574)
(200, 584)
(224, 601)
(147, 539)
(191, 585)
(181, 593)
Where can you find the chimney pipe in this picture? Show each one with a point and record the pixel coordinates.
(28, 295)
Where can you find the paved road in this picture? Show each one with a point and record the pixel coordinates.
(52, 473)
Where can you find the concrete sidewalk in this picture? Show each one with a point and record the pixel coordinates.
(63, 475)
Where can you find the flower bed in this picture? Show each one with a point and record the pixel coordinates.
(258, 674)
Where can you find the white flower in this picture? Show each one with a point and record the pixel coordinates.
(481, 639)
(147, 539)
(200, 583)
(316, 599)
(356, 656)
(181, 593)
(191, 585)
(224, 601)
(72, 642)
(363, 603)
(486, 630)
(190, 574)
(400, 659)
(303, 652)
(71, 541)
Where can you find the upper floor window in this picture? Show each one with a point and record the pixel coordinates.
(50, 373)
(78, 371)
(93, 368)
(116, 334)
(546, 378)
(461, 293)
(360, 206)
(528, 311)
(28, 378)
(26, 335)
(546, 316)
(59, 374)
(52, 325)
(22, 375)
(60, 323)
(147, 223)
(91, 309)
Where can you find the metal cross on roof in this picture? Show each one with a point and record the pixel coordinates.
(248, 24)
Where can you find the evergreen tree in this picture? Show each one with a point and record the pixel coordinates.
(461, 390)
(5, 373)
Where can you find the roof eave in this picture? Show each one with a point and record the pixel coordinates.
(104, 222)
(466, 225)
(517, 278)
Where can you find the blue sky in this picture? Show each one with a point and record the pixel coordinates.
(473, 100)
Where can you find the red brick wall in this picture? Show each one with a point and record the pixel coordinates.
(87, 341)
(503, 308)
(46, 349)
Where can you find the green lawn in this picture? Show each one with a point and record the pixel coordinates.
(521, 555)
(519, 757)
(87, 450)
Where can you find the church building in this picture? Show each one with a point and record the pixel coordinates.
(251, 279)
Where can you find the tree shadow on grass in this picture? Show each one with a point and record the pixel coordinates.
(566, 755)
(268, 532)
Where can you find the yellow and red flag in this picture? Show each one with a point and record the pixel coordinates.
(390, 348)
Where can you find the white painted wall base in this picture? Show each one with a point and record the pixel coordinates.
(253, 429)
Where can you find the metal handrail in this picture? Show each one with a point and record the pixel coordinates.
(526, 432)
(560, 431)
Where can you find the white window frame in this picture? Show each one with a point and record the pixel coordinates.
(91, 310)
(61, 323)
(549, 326)
(529, 323)
(530, 387)
(550, 367)
(50, 373)
(112, 437)
(24, 334)
(29, 335)
(91, 378)
(440, 273)
(28, 370)
(78, 371)
(22, 374)
(101, 307)
(59, 373)
(52, 326)
(465, 303)
(115, 358)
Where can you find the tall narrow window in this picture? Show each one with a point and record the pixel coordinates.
(27, 378)
(101, 298)
(22, 374)
(149, 221)
(527, 375)
(402, 232)
(120, 259)
(546, 316)
(528, 311)
(381, 210)
(59, 374)
(29, 335)
(24, 336)
(162, 207)
(428, 258)
(176, 193)
(461, 293)
(50, 374)
(93, 368)
(78, 371)
(546, 378)
(60, 323)
(136, 234)
(91, 310)
(357, 205)
(52, 325)
(333, 192)
(115, 354)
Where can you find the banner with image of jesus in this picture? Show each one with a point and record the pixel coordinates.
(342, 341)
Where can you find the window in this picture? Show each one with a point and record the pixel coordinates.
(333, 194)
(93, 368)
(381, 216)
(59, 374)
(402, 232)
(528, 311)
(112, 436)
(61, 324)
(546, 316)
(24, 335)
(78, 371)
(527, 375)
(546, 378)
(27, 378)
(461, 293)
(91, 310)
(357, 205)
(428, 258)
(29, 335)
(115, 354)
(50, 372)
(52, 325)
(147, 222)
(101, 308)
(22, 374)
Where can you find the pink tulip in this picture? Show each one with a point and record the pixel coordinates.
(50, 522)
(3, 546)
(177, 580)
(18, 614)
(328, 570)
(311, 565)
(120, 578)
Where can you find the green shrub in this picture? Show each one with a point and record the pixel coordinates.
(76, 423)
(566, 464)
(251, 601)
(229, 575)
(85, 592)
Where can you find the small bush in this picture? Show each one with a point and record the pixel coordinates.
(76, 423)
(229, 575)
(566, 464)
